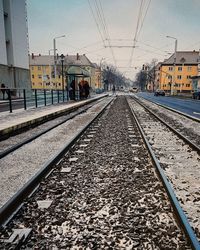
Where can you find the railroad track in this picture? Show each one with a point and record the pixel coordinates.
(178, 157)
(185, 125)
(13, 143)
(101, 192)
(20, 165)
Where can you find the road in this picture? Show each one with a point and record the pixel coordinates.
(188, 106)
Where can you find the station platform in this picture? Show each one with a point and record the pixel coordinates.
(12, 123)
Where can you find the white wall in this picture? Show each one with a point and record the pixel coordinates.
(15, 30)
(19, 33)
(3, 57)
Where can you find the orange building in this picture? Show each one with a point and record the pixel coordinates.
(186, 66)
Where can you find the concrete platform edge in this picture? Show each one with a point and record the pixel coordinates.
(34, 122)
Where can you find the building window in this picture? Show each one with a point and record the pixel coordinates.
(189, 68)
(169, 77)
(179, 77)
(188, 76)
(170, 68)
(40, 76)
(187, 85)
(32, 68)
(179, 68)
(32, 76)
(39, 68)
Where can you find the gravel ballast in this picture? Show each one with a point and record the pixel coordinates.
(104, 194)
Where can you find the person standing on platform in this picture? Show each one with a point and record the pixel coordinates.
(113, 89)
(81, 89)
(72, 90)
(86, 88)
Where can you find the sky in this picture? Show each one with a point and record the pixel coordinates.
(107, 30)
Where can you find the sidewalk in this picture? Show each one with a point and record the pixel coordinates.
(21, 119)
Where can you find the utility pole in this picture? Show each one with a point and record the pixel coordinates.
(55, 57)
(174, 75)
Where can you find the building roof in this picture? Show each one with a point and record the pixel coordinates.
(183, 57)
(80, 60)
(77, 71)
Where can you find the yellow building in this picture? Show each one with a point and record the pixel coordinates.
(98, 77)
(186, 66)
(42, 71)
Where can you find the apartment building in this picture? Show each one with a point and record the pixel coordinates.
(14, 64)
(186, 67)
(42, 71)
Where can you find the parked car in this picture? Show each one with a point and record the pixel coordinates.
(134, 89)
(159, 92)
(196, 95)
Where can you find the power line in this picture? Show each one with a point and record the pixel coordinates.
(139, 27)
(136, 31)
(101, 25)
(144, 17)
(96, 22)
(106, 29)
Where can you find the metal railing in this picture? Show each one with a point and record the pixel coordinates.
(19, 98)
(11, 99)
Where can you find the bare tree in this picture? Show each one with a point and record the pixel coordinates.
(112, 77)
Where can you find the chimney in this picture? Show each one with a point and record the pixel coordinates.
(77, 57)
(32, 55)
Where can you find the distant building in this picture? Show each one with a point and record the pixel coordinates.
(185, 68)
(14, 65)
(42, 71)
(157, 76)
(98, 77)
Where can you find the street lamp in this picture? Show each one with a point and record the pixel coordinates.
(50, 64)
(54, 48)
(174, 80)
(62, 60)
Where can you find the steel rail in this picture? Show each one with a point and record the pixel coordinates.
(174, 110)
(194, 146)
(179, 212)
(8, 210)
(48, 118)
(18, 145)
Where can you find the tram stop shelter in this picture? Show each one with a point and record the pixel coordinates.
(73, 75)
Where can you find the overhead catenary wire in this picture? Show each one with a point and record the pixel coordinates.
(103, 40)
(101, 24)
(106, 29)
(140, 22)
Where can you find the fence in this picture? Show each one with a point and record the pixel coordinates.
(11, 99)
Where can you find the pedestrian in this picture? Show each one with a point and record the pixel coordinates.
(86, 87)
(113, 89)
(81, 89)
(3, 90)
(72, 90)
